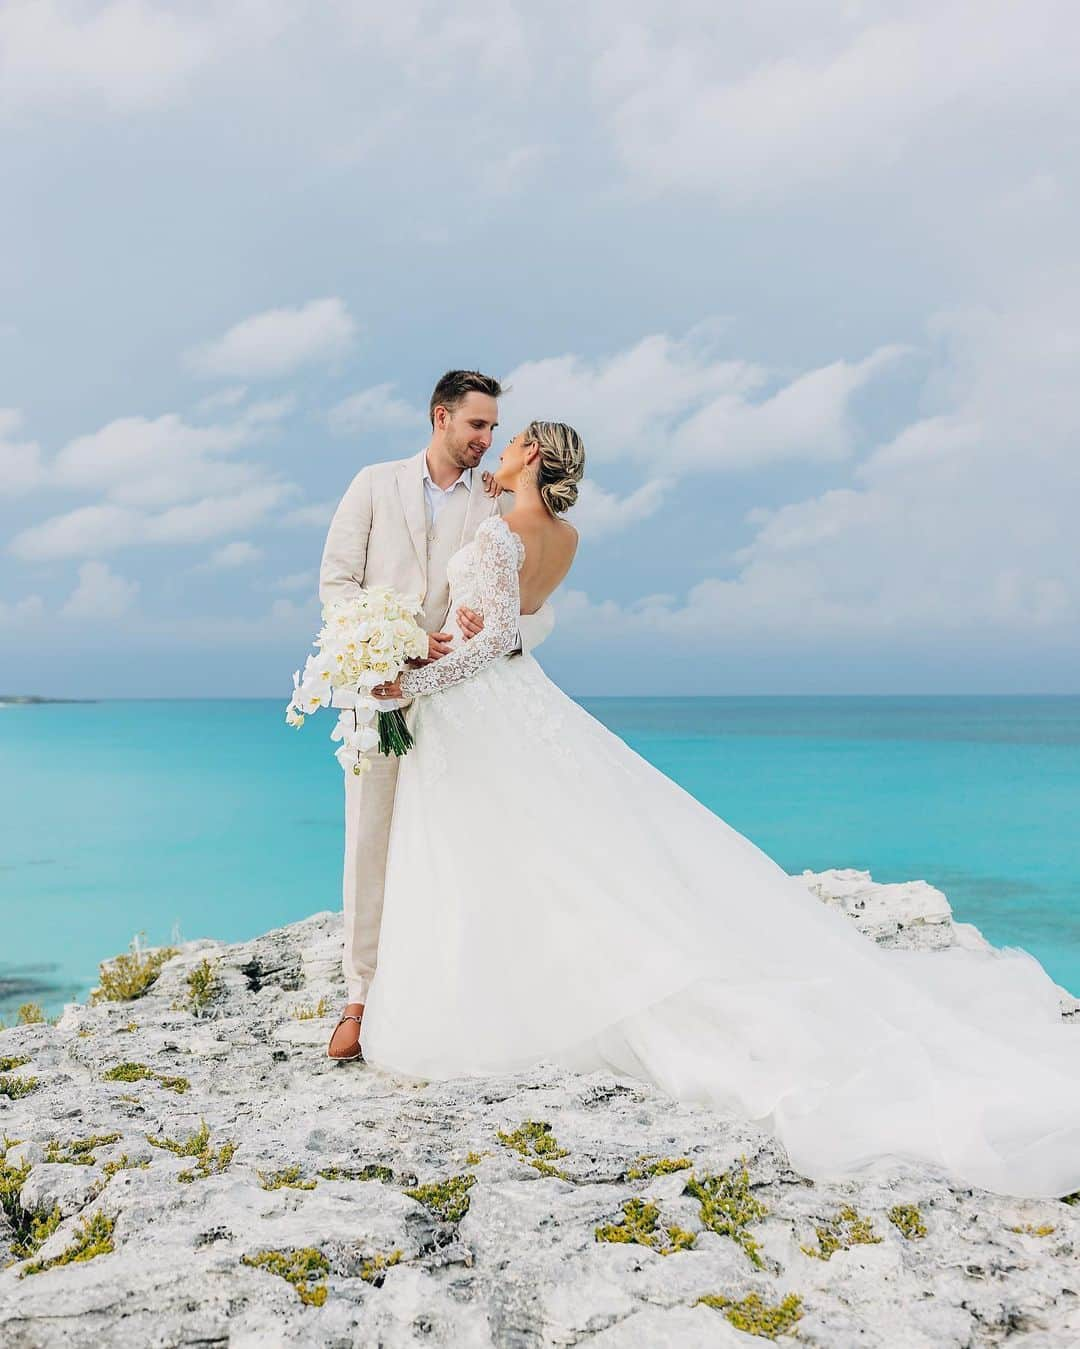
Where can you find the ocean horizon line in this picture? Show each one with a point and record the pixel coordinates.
(32, 700)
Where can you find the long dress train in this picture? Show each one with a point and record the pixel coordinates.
(551, 895)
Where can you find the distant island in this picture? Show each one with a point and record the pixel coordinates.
(34, 698)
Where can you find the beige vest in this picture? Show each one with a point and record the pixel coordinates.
(444, 538)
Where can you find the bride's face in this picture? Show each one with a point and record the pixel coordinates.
(512, 460)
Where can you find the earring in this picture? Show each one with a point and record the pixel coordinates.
(528, 477)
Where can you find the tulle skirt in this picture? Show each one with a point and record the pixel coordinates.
(550, 895)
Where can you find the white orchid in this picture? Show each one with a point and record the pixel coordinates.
(364, 641)
(351, 761)
(363, 739)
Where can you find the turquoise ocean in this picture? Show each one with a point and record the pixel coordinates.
(213, 819)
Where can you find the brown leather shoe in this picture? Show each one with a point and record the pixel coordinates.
(347, 1047)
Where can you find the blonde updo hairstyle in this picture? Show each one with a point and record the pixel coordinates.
(561, 463)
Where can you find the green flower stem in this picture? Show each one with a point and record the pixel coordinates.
(394, 735)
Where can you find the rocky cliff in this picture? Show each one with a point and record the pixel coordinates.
(185, 1167)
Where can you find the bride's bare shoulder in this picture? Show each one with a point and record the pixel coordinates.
(565, 537)
(548, 532)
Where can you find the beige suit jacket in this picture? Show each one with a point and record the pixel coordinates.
(378, 537)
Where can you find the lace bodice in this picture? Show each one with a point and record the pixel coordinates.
(484, 576)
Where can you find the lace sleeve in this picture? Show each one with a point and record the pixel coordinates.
(500, 601)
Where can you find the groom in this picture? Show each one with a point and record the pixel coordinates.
(398, 525)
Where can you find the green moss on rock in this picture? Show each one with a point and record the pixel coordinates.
(8, 1063)
(203, 985)
(728, 1207)
(536, 1144)
(372, 1171)
(208, 1162)
(290, 1178)
(373, 1270)
(93, 1238)
(304, 1267)
(141, 1072)
(448, 1199)
(755, 1317)
(131, 975)
(840, 1233)
(15, 1087)
(640, 1226)
(123, 1163)
(78, 1151)
(646, 1167)
(908, 1220)
(27, 1228)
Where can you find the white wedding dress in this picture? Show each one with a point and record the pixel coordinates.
(550, 895)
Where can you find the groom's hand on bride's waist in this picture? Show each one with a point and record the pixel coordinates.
(470, 622)
(438, 644)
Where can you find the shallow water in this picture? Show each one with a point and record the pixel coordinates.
(212, 818)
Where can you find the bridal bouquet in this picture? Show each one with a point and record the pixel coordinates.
(363, 642)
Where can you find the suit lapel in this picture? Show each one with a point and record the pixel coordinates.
(410, 483)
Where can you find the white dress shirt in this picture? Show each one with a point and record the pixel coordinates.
(436, 496)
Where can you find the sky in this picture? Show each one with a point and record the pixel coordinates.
(802, 274)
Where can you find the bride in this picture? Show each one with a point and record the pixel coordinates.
(616, 923)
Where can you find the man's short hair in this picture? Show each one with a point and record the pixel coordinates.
(455, 384)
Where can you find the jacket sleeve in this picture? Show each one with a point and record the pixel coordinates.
(344, 559)
(536, 628)
(500, 598)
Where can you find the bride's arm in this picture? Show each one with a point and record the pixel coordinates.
(500, 597)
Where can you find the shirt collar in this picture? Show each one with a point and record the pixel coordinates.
(466, 478)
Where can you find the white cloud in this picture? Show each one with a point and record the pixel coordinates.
(754, 109)
(279, 341)
(962, 527)
(297, 580)
(92, 531)
(18, 612)
(140, 461)
(374, 409)
(161, 480)
(238, 553)
(317, 515)
(598, 512)
(124, 52)
(675, 405)
(20, 460)
(213, 516)
(83, 532)
(228, 397)
(286, 621)
(100, 594)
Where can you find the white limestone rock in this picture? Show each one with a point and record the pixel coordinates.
(522, 1266)
(912, 914)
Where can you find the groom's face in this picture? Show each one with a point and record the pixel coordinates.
(470, 428)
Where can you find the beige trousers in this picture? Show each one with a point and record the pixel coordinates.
(369, 804)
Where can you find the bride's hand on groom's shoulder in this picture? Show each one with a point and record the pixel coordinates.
(491, 487)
